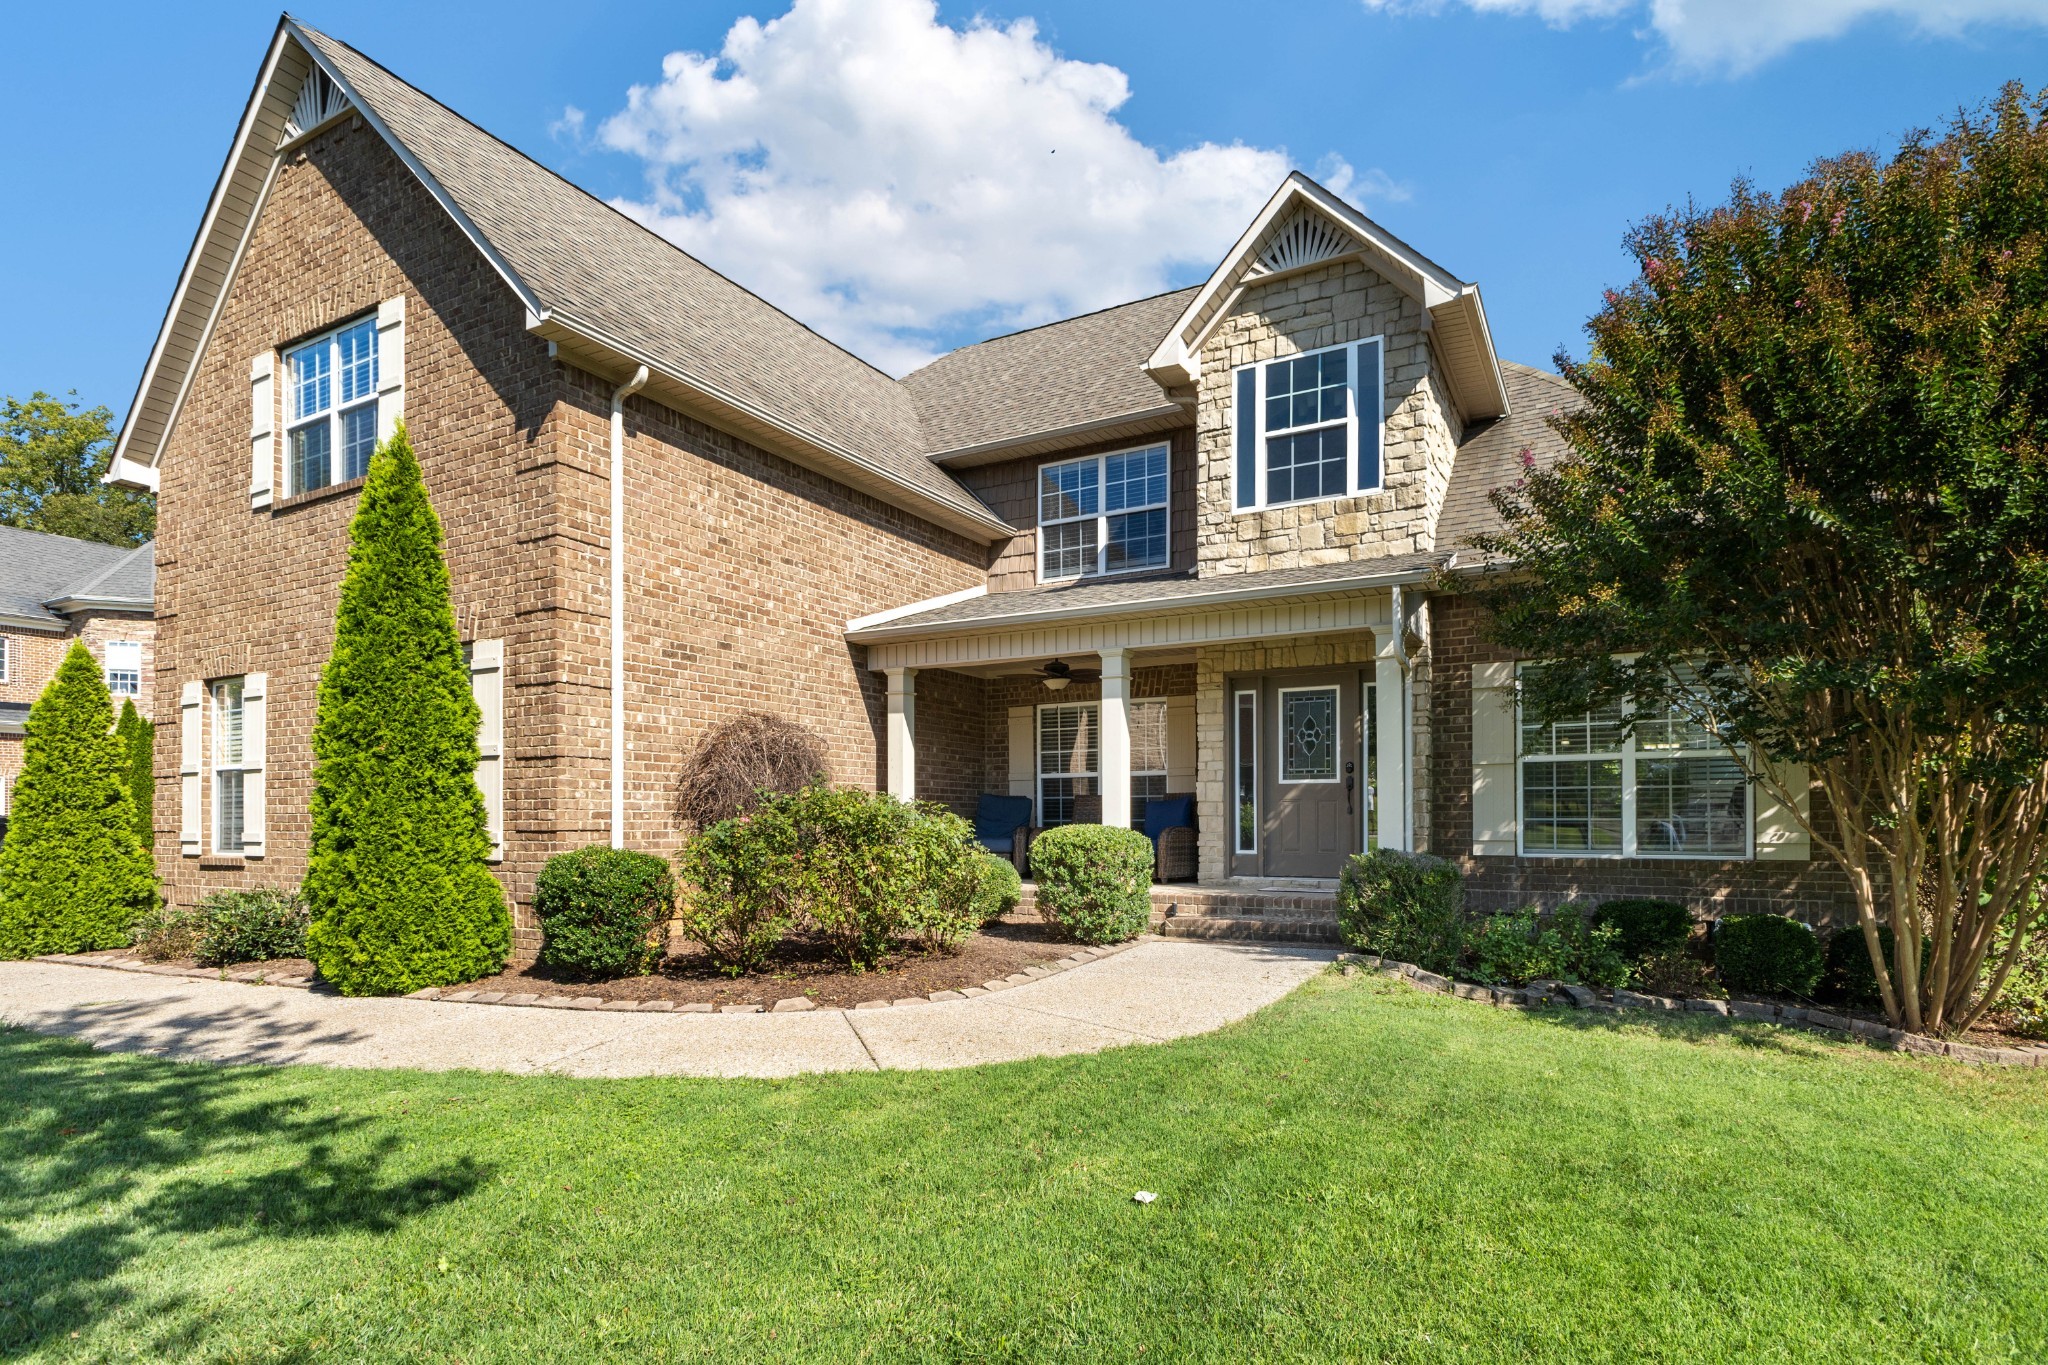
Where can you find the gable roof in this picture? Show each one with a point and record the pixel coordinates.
(44, 575)
(610, 293)
(1031, 390)
(1490, 456)
(1304, 226)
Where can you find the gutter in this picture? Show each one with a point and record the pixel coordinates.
(618, 604)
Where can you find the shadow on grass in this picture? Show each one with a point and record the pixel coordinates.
(90, 1162)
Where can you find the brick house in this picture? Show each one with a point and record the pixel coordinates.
(53, 590)
(1184, 545)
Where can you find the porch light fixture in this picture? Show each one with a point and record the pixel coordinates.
(1057, 683)
(1059, 673)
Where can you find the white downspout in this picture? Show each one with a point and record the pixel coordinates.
(618, 565)
(1400, 607)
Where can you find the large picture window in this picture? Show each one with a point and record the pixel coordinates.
(1667, 790)
(1308, 426)
(331, 406)
(1103, 514)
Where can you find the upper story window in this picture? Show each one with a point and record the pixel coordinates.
(1102, 514)
(6, 659)
(1308, 427)
(124, 668)
(331, 406)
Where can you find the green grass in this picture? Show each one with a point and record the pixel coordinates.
(1359, 1172)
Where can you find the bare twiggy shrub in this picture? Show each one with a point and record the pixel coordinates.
(739, 759)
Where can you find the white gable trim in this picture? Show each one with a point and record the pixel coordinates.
(1457, 317)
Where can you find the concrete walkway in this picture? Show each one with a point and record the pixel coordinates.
(1154, 991)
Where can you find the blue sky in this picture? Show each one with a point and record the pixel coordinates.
(820, 162)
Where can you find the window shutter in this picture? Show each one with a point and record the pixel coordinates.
(390, 366)
(190, 754)
(1371, 396)
(1780, 838)
(1246, 420)
(1493, 760)
(1180, 745)
(262, 429)
(487, 686)
(1024, 757)
(255, 746)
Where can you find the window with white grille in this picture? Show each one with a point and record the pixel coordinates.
(331, 407)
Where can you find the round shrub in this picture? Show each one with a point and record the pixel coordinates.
(601, 911)
(1000, 887)
(943, 902)
(250, 926)
(1646, 928)
(1767, 955)
(1847, 974)
(739, 896)
(1094, 881)
(1407, 906)
(1677, 975)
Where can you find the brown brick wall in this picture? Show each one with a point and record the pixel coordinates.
(1815, 891)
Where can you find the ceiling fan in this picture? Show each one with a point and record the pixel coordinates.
(1059, 673)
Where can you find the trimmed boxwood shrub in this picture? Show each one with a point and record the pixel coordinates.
(1094, 881)
(601, 911)
(1847, 975)
(1767, 955)
(249, 926)
(1524, 945)
(1646, 928)
(1407, 906)
(739, 895)
(943, 903)
(1000, 887)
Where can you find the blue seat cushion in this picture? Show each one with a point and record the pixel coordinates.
(997, 820)
(1168, 812)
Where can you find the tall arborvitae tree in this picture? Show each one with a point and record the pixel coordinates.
(73, 874)
(397, 882)
(1806, 504)
(138, 737)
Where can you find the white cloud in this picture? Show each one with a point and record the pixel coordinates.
(897, 183)
(1730, 37)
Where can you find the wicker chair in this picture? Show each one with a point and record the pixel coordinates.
(1002, 825)
(1170, 822)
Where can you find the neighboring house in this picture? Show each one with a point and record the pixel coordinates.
(1188, 544)
(54, 590)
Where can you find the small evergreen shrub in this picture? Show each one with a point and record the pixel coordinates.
(602, 910)
(1524, 945)
(167, 933)
(739, 896)
(398, 874)
(1407, 906)
(1677, 975)
(249, 926)
(74, 876)
(1094, 881)
(863, 868)
(1767, 955)
(1646, 928)
(999, 889)
(944, 906)
(138, 737)
(1847, 976)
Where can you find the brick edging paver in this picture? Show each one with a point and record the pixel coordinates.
(1540, 995)
(1080, 957)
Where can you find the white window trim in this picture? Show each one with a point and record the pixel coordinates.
(1102, 513)
(1038, 749)
(1237, 755)
(1280, 737)
(215, 768)
(107, 666)
(1352, 488)
(6, 658)
(335, 409)
(1627, 755)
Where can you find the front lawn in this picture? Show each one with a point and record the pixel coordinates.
(1359, 1172)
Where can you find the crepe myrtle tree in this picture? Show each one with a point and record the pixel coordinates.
(1806, 503)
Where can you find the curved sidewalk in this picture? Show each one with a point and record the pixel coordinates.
(1157, 990)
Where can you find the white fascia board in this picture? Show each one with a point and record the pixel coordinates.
(14, 621)
(128, 474)
(70, 606)
(913, 608)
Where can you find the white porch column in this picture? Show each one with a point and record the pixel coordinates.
(1116, 739)
(1390, 736)
(902, 732)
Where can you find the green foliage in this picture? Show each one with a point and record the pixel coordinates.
(1094, 881)
(1767, 955)
(859, 866)
(1525, 945)
(165, 932)
(601, 911)
(945, 901)
(52, 455)
(138, 736)
(1646, 928)
(1000, 888)
(1808, 458)
(740, 896)
(2024, 1001)
(1678, 975)
(1407, 906)
(249, 926)
(401, 892)
(73, 874)
(1847, 976)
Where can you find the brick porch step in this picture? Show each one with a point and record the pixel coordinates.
(1288, 915)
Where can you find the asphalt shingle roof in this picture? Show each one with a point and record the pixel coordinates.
(1491, 454)
(1081, 370)
(38, 568)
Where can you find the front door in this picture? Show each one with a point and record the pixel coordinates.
(1314, 780)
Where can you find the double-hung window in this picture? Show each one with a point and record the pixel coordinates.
(227, 765)
(1102, 514)
(331, 406)
(1667, 790)
(1148, 757)
(1069, 758)
(124, 668)
(1307, 428)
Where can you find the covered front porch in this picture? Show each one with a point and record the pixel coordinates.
(1281, 702)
